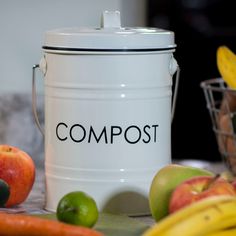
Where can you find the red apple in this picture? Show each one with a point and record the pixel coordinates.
(17, 169)
(197, 188)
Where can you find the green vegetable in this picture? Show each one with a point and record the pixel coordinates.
(4, 192)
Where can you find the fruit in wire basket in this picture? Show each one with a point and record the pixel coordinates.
(226, 63)
(228, 104)
(227, 139)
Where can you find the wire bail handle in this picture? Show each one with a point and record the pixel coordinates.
(34, 100)
(174, 69)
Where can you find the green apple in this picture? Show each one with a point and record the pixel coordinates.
(165, 181)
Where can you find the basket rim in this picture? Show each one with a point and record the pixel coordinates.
(213, 84)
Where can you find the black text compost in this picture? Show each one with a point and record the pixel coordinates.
(108, 134)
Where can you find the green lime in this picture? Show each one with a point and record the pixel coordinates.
(77, 208)
(4, 192)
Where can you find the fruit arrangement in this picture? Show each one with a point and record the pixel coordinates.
(197, 202)
(226, 63)
(163, 184)
(183, 200)
(220, 96)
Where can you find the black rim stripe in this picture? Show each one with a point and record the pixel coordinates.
(106, 50)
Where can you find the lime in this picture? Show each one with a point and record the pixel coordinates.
(77, 208)
(4, 192)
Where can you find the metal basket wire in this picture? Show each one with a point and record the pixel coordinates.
(221, 104)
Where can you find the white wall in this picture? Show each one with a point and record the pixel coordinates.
(23, 23)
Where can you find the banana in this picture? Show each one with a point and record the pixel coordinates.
(226, 232)
(199, 219)
(226, 63)
(209, 220)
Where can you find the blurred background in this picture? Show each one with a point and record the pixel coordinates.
(22, 26)
(200, 26)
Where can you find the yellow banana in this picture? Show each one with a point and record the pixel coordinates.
(209, 220)
(200, 218)
(226, 63)
(226, 232)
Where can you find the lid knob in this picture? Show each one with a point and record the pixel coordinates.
(111, 19)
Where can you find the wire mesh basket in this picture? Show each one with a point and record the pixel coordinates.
(221, 104)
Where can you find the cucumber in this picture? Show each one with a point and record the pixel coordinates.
(4, 192)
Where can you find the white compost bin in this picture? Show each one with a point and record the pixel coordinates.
(108, 95)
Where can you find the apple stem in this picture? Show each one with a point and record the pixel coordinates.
(212, 181)
(8, 149)
(217, 176)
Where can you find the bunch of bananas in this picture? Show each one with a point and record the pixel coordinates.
(226, 63)
(212, 216)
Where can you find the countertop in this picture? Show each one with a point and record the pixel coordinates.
(36, 200)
